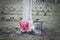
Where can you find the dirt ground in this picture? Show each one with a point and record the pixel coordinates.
(47, 35)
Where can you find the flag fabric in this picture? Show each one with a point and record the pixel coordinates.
(24, 25)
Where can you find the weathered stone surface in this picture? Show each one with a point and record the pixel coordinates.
(13, 8)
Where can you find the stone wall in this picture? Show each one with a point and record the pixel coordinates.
(11, 11)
